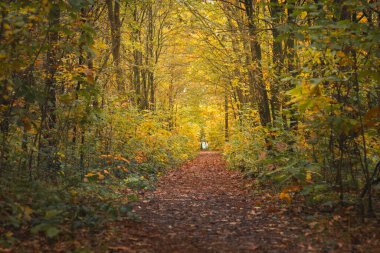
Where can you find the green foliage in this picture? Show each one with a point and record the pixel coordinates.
(245, 151)
(36, 208)
(324, 145)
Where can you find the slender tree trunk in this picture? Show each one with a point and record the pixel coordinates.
(115, 24)
(275, 12)
(258, 88)
(49, 116)
(5, 102)
(151, 60)
(291, 55)
(226, 116)
(171, 104)
(238, 89)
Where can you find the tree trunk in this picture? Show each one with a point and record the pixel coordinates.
(258, 90)
(226, 116)
(115, 24)
(275, 12)
(290, 44)
(49, 116)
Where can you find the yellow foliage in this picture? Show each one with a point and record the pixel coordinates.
(286, 193)
(27, 211)
(285, 196)
(100, 176)
(90, 174)
(114, 157)
(309, 177)
(140, 156)
(139, 159)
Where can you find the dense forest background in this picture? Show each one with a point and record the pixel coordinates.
(99, 98)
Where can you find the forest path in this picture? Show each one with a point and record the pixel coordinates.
(204, 207)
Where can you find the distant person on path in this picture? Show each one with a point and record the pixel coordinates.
(204, 145)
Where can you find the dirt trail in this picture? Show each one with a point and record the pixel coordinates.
(204, 207)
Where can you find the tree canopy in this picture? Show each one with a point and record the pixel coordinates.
(98, 96)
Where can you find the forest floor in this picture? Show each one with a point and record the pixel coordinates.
(204, 207)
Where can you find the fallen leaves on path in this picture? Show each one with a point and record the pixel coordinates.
(204, 207)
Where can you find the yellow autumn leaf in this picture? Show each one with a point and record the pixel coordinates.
(90, 174)
(100, 176)
(27, 211)
(6, 26)
(341, 54)
(73, 193)
(309, 177)
(285, 196)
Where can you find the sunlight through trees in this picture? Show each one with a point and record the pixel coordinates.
(101, 96)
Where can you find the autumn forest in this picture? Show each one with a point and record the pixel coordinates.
(189, 125)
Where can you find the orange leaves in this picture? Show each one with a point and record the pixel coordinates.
(90, 74)
(292, 188)
(103, 173)
(285, 196)
(97, 176)
(139, 159)
(372, 117)
(288, 192)
(114, 157)
(106, 156)
(344, 59)
(140, 156)
(108, 171)
(27, 122)
(100, 176)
